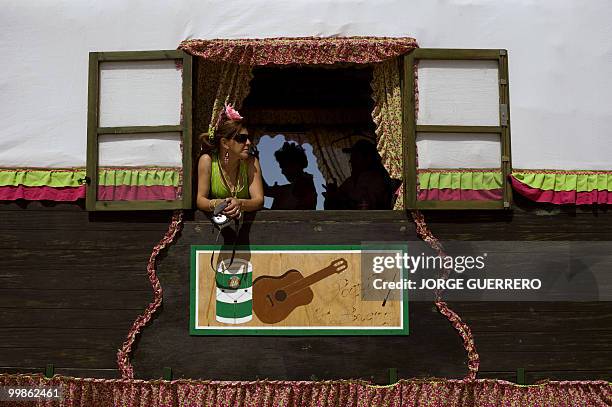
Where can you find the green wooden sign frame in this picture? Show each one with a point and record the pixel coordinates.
(404, 330)
(410, 127)
(94, 131)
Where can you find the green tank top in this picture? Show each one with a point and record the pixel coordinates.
(218, 188)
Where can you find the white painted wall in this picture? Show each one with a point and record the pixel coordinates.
(560, 54)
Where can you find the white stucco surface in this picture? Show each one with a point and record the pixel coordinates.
(560, 61)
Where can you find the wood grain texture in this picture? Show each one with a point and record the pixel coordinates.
(139, 129)
(93, 97)
(71, 372)
(94, 267)
(118, 319)
(77, 299)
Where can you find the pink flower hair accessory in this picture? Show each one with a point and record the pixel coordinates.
(232, 113)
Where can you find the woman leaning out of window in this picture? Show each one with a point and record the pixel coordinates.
(226, 171)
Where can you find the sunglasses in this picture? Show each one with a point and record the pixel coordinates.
(242, 138)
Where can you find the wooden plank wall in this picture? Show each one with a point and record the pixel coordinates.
(71, 284)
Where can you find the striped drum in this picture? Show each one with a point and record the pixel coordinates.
(234, 292)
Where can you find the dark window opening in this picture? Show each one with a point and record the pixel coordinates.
(316, 113)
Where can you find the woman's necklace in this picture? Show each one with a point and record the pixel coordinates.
(236, 185)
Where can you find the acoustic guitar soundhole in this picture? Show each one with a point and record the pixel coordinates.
(280, 295)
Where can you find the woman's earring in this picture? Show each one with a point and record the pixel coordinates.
(226, 157)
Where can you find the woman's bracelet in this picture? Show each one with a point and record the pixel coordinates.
(212, 204)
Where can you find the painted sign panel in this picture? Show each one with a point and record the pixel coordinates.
(287, 290)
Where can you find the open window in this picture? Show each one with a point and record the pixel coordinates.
(321, 112)
(457, 133)
(326, 94)
(443, 146)
(139, 130)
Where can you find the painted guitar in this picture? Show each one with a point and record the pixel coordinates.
(274, 298)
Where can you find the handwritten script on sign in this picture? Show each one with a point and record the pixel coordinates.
(352, 291)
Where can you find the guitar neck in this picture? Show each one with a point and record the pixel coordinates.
(333, 268)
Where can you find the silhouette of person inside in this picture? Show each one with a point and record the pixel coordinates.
(369, 185)
(300, 193)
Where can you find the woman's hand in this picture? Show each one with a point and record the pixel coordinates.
(233, 208)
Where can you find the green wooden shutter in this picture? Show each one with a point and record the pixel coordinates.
(128, 95)
(412, 127)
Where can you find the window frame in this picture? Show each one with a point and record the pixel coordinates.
(410, 128)
(94, 130)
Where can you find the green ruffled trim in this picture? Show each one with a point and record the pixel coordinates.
(168, 178)
(566, 181)
(460, 180)
(107, 177)
(41, 178)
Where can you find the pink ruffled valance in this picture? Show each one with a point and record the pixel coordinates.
(346, 393)
(300, 50)
(560, 187)
(42, 193)
(451, 194)
(137, 193)
(562, 197)
(114, 184)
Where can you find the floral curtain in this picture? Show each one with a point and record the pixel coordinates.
(311, 116)
(345, 393)
(300, 50)
(387, 116)
(218, 83)
(327, 145)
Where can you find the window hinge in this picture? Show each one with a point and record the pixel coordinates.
(503, 82)
(503, 52)
(84, 181)
(505, 159)
(503, 114)
(506, 204)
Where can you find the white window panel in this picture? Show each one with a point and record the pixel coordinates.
(458, 150)
(463, 93)
(140, 93)
(138, 150)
